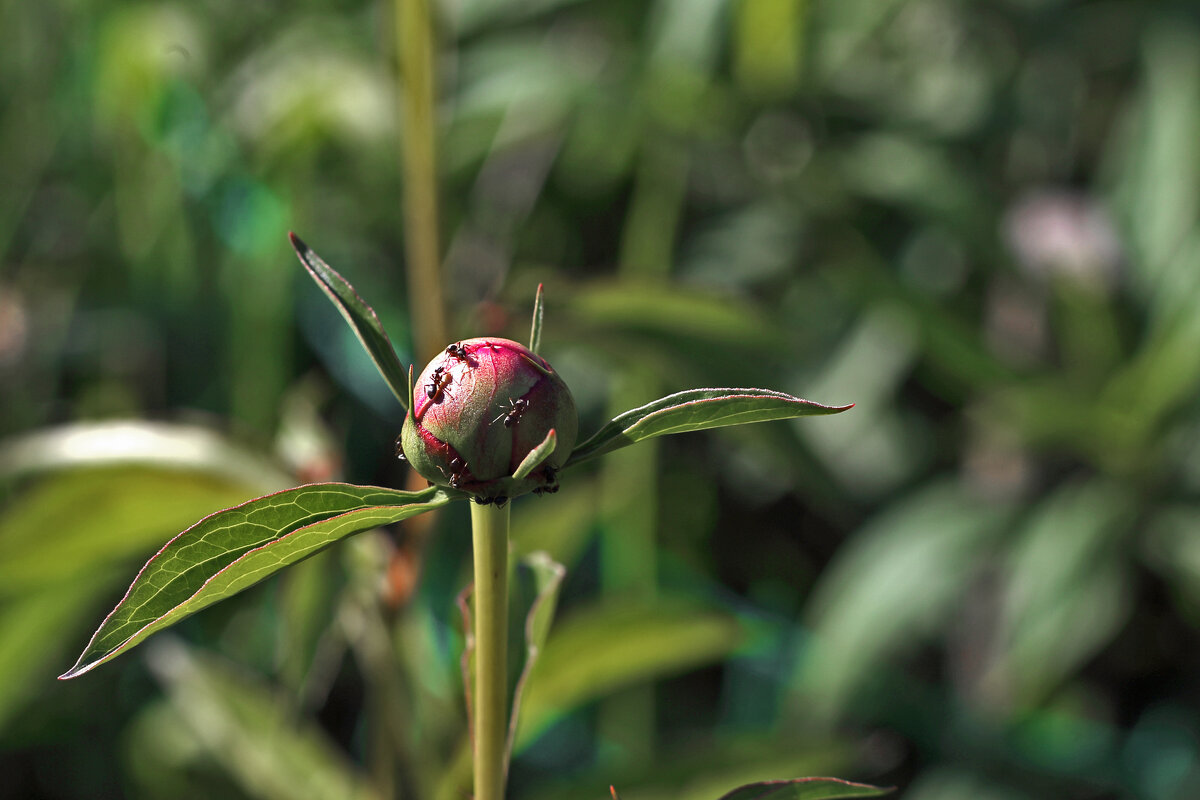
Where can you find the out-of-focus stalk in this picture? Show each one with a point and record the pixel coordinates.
(416, 48)
(629, 545)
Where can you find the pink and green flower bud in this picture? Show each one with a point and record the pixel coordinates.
(479, 408)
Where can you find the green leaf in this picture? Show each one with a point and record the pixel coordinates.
(234, 549)
(624, 645)
(162, 446)
(57, 565)
(805, 789)
(539, 311)
(536, 456)
(696, 410)
(687, 769)
(1067, 590)
(892, 585)
(533, 599)
(539, 578)
(360, 316)
(251, 730)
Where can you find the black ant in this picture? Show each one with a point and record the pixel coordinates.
(441, 379)
(551, 485)
(400, 448)
(457, 466)
(511, 418)
(456, 350)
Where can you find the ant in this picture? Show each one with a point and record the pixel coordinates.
(400, 448)
(441, 379)
(511, 418)
(457, 467)
(456, 350)
(551, 485)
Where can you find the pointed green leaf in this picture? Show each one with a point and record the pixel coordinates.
(539, 311)
(536, 456)
(805, 789)
(696, 410)
(234, 549)
(539, 578)
(360, 316)
(625, 644)
(533, 599)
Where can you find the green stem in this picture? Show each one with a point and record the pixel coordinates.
(415, 43)
(489, 526)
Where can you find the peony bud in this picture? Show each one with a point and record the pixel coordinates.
(479, 408)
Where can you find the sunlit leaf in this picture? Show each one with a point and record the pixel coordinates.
(889, 587)
(56, 564)
(252, 733)
(696, 410)
(233, 549)
(670, 313)
(1067, 592)
(606, 648)
(359, 315)
(157, 445)
(805, 789)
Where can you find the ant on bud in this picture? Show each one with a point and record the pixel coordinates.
(551, 485)
(519, 406)
(456, 350)
(400, 448)
(441, 379)
(457, 467)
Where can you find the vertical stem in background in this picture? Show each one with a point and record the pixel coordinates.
(629, 546)
(489, 526)
(415, 49)
(259, 354)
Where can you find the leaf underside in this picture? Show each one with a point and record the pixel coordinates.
(234, 549)
(805, 789)
(696, 410)
(359, 315)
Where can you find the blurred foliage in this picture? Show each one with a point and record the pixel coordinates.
(977, 221)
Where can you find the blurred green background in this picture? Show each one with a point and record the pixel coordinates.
(976, 220)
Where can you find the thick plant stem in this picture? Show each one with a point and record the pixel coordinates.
(489, 526)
